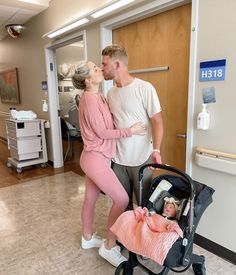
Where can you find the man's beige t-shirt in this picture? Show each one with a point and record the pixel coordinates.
(135, 102)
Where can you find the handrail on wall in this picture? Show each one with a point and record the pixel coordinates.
(216, 154)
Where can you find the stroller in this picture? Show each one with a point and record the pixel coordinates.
(194, 198)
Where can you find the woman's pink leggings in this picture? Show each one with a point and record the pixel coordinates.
(100, 176)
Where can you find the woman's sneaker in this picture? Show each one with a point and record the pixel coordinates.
(95, 241)
(113, 255)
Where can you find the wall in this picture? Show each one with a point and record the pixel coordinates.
(27, 54)
(217, 40)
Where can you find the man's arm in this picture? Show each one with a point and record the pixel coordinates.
(157, 135)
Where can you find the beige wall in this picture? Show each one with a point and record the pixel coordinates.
(27, 54)
(217, 40)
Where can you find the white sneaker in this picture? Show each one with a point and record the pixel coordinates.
(95, 241)
(113, 255)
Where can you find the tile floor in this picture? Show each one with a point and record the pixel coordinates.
(40, 231)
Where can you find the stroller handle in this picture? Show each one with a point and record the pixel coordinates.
(172, 169)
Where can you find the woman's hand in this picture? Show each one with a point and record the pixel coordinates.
(138, 129)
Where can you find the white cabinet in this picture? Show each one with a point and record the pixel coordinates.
(26, 143)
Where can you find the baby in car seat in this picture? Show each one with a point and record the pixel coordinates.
(170, 208)
(152, 234)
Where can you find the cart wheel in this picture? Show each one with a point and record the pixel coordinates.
(18, 170)
(199, 269)
(43, 165)
(120, 269)
(9, 165)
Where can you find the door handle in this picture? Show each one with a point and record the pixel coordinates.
(181, 136)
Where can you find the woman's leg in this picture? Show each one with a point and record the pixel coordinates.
(91, 195)
(113, 188)
(98, 170)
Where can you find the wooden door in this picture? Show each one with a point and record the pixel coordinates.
(159, 41)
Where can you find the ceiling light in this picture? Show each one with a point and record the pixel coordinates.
(68, 27)
(37, 2)
(92, 17)
(110, 8)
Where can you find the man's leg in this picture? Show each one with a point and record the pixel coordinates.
(147, 178)
(122, 175)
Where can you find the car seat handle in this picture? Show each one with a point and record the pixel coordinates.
(172, 169)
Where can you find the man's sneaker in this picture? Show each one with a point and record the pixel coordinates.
(113, 255)
(95, 241)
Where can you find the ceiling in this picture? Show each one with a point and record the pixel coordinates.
(19, 12)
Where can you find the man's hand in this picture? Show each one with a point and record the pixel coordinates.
(156, 157)
(157, 134)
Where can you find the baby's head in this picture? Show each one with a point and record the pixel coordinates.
(170, 208)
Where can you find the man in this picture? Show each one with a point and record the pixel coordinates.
(131, 100)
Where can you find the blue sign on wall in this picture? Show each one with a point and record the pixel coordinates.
(212, 70)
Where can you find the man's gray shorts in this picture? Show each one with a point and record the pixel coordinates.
(128, 176)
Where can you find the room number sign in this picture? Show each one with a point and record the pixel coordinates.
(212, 70)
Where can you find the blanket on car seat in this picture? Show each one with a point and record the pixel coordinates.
(149, 236)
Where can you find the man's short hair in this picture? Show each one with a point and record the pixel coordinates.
(116, 51)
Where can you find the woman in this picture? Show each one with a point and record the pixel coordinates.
(99, 138)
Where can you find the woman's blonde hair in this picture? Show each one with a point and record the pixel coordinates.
(81, 73)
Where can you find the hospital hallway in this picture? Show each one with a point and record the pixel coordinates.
(9, 176)
(40, 227)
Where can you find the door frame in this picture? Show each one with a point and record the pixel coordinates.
(53, 97)
(148, 11)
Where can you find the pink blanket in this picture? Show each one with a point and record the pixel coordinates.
(149, 236)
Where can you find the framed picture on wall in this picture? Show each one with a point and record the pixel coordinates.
(9, 86)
